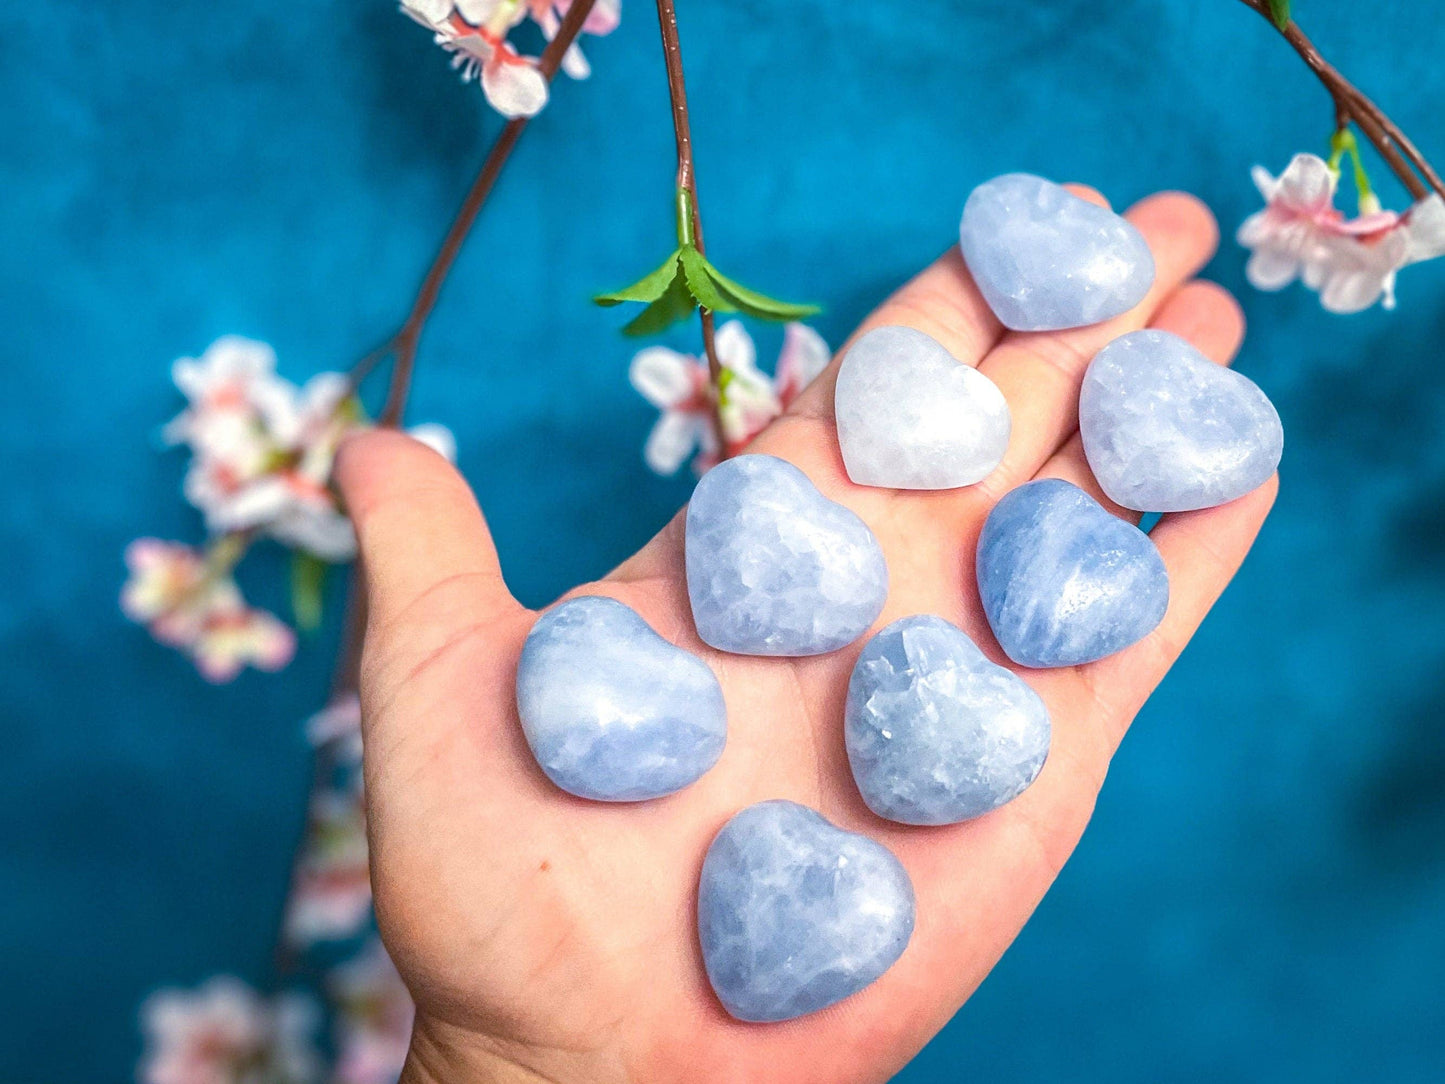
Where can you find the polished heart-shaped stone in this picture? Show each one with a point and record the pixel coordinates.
(935, 732)
(1063, 581)
(612, 711)
(795, 914)
(1044, 259)
(912, 416)
(774, 567)
(1167, 430)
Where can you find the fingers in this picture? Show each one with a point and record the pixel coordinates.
(418, 527)
(1039, 372)
(1201, 550)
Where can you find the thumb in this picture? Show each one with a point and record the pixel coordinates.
(427, 561)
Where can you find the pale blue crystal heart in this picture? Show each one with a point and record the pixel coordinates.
(1044, 259)
(935, 732)
(912, 416)
(1063, 581)
(795, 914)
(611, 710)
(774, 567)
(1167, 430)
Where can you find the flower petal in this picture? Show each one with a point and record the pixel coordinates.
(1271, 269)
(436, 437)
(805, 354)
(672, 440)
(735, 348)
(665, 378)
(1425, 230)
(513, 86)
(1307, 184)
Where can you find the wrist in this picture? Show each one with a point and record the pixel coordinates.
(442, 1054)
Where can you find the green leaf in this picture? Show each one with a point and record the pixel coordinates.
(676, 303)
(1279, 12)
(648, 288)
(756, 304)
(308, 578)
(699, 281)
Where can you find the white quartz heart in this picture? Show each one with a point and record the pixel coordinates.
(912, 416)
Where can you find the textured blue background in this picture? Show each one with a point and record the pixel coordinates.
(1260, 895)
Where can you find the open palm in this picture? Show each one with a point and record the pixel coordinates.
(548, 937)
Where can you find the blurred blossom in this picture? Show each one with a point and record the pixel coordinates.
(225, 1033)
(602, 19)
(677, 384)
(373, 1018)
(189, 601)
(1351, 263)
(339, 723)
(331, 890)
(263, 448)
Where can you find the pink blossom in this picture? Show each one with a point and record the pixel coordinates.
(1351, 263)
(475, 33)
(225, 1033)
(602, 19)
(188, 603)
(331, 892)
(374, 1018)
(337, 723)
(264, 449)
(678, 385)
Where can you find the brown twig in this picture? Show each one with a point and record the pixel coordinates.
(403, 344)
(687, 189)
(1351, 105)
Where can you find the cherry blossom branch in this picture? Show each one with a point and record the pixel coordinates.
(403, 345)
(689, 220)
(1403, 158)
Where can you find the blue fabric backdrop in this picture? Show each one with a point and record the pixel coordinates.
(1260, 894)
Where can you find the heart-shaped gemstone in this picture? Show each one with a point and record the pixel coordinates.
(912, 416)
(1044, 259)
(935, 732)
(612, 711)
(795, 914)
(774, 567)
(1062, 580)
(1167, 430)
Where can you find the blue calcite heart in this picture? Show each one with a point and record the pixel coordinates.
(1044, 259)
(912, 416)
(1063, 581)
(612, 711)
(935, 732)
(795, 914)
(1167, 430)
(774, 567)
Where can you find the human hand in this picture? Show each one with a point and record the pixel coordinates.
(545, 937)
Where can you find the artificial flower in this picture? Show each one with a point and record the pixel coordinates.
(678, 385)
(331, 893)
(374, 1016)
(188, 602)
(226, 1033)
(264, 449)
(339, 723)
(1351, 263)
(602, 19)
(474, 32)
